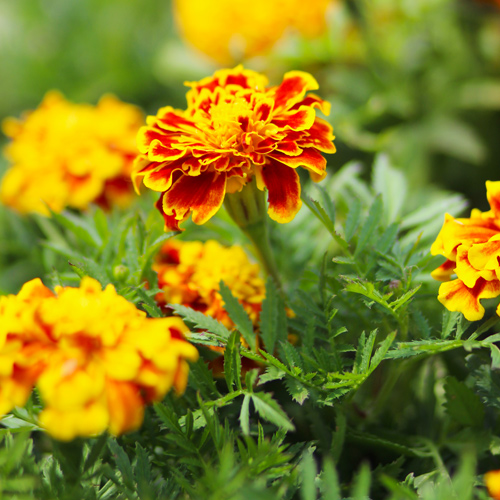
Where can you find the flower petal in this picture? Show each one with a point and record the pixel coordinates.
(444, 271)
(293, 88)
(283, 184)
(310, 158)
(202, 195)
(455, 296)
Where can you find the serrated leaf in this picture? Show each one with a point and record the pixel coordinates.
(352, 220)
(450, 321)
(382, 351)
(238, 315)
(271, 411)
(370, 225)
(362, 482)
(298, 391)
(462, 404)
(232, 362)
(199, 320)
(401, 301)
(123, 463)
(271, 373)
(386, 241)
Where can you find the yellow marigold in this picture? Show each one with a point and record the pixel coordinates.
(69, 155)
(234, 129)
(472, 250)
(231, 30)
(492, 481)
(95, 358)
(189, 273)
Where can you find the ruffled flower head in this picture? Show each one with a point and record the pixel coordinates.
(189, 273)
(95, 358)
(472, 250)
(234, 129)
(69, 155)
(231, 30)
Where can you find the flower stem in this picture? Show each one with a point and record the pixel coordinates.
(248, 209)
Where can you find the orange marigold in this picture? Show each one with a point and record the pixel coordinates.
(233, 130)
(69, 155)
(231, 30)
(472, 250)
(189, 273)
(95, 358)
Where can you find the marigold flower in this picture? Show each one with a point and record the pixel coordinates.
(472, 250)
(95, 358)
(189, 273)
(492, 481)
(69, 155)
(233, 130)
(231, 30)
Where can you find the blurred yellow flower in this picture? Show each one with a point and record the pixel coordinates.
(234, 130)
(492, 481)
(69, 155)
(232, 30)
(189, 273)
(95, 358)
(472, 250)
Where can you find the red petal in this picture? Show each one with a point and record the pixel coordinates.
(202, 195)
(310, 158)
(319, 136)
(295, 84)
(301, 119)
(283, 184)
(171, 223)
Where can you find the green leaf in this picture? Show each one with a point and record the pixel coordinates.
(382, 351)
(370, 225)
(269, 316)
(271, 411)
(450, 321)
(79, 227)
(362, 481)
(308, 476)
(199, 320)
(316, 208)
(495, 357)
(392, 185)
(232, 361)
(338, 437)
(298, 391)
(352, 220)
(330, 487)
(123, 463)
(244, 417)
(239, 316)
(462, 404)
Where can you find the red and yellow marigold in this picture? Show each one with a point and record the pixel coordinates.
(189, 273)
(234, 129)
(231, 30)
(95, 358)
(472, 250)
(69, 155)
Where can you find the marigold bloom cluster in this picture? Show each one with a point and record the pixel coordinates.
(69, 155)
(189, 273)
(232, 30)
(492, 481)
(95, 358)
(472, 250)
(233, 130)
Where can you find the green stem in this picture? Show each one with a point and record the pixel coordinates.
(248, 209)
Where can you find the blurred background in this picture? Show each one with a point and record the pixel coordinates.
(416, 79)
